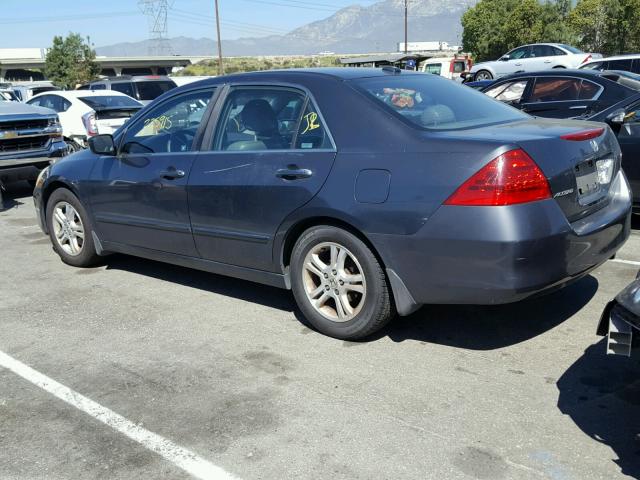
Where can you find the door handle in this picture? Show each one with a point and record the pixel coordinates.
(577, 107)
(171, 173)
(547, 61)
(293, 173)
(518, 64)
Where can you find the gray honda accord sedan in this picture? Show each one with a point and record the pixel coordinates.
(365, 191)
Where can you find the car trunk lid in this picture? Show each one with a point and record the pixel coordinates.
(579, 159)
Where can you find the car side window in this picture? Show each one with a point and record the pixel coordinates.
(508, 92)
(554, 89)
(98, 86)
(312, 134)
(434, 68)
(47, 101)
(588, 90)
(518, 53)
(542, 51)
(124, 87)
(170, 127)
(624, 65)
(252, 119)
(557, 52)
(459, 67)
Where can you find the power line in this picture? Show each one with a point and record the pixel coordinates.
(157, 11)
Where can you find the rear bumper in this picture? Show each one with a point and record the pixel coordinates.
(494, 255)
(27, 166)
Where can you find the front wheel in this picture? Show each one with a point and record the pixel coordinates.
(70, 229)
(483, 75)
(339, 284)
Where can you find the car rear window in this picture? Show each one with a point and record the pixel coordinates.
(432, 102)
(109, 101)
(434, 68)
(150, 90)
(570, 48)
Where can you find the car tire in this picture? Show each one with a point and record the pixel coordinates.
(483, 75)
(70, 229)
(346, 296)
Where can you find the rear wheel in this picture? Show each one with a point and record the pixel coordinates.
(70, 229)
(339, 284)
(484, 75)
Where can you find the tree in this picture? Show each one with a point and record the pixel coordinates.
(71, 61)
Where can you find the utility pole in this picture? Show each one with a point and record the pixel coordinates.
(220, 66)
(406, 36)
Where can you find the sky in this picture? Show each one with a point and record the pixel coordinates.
(34, 23)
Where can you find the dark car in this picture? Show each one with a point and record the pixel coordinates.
(620, 319)
(612, 97)
(365, 191)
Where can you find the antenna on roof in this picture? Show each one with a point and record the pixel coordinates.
(156, 11)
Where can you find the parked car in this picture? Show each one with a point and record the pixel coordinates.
(611, 97)
(85, 113)
(621, 319)
(26, 90)
(145, 88)
(445, 197)
(30, 138)
(448, 67)
(626, 63)
(479, 85)
(532, 58)
(186, 79)
(7, 95)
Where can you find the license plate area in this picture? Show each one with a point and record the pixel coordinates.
(588, 187)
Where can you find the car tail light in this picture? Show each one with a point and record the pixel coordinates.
(89, 120)
(452, 64)
(509, 179)
(587, 58)
(584, 135)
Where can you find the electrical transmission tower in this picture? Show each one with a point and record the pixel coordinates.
(157, 11)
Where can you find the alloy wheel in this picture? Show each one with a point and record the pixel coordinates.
(68, 228)
(334, 282)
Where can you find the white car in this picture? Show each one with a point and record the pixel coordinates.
(447, 67)
(625, 63)
(532, 58)
(86, 113)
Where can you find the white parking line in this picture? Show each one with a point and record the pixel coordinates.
(180, 457)
(627, 262)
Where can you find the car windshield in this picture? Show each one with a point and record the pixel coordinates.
(6, 96)
(432, 102)
(150, 90)
(110, 101)
(571, 49)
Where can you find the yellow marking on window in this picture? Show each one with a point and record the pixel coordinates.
(311, 119)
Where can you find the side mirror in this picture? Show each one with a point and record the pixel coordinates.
(617, 117)
(102, 145)
(504, 58)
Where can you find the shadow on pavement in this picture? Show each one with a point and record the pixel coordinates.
(228, 286)
(470, 327)
(601, 394)
(491, 327)
(16, 194)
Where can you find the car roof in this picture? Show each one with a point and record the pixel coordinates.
(71, 94)
(615, 57)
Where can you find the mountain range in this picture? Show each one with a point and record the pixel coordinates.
(354, 29)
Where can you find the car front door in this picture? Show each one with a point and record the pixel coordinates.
(139, 197)
(561, 97)
(513, 62)
(270, 155)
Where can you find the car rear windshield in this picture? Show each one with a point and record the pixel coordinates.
(571, 49)
(150, 90)
(432, 102)
(110, 101)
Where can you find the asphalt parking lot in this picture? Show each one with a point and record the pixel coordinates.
(223, 369)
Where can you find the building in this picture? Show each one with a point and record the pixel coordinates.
(27, 64)
(427, 47)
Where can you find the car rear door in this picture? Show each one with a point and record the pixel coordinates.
(561, 97)
(542, 58)
(629, 139)
(139, 197)
(270, 154)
